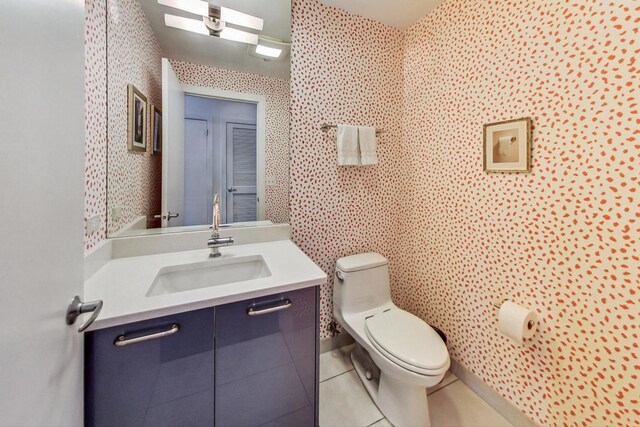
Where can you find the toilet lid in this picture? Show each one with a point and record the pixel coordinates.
(408, 339)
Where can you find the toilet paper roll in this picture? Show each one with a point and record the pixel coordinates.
(516, 322)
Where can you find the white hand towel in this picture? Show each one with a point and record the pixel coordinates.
(368, 145)
(348, 151)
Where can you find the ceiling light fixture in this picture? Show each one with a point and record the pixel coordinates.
(268, 51)
(187, 24)
(234, 17)
(214, 20)
(210, 27)
(196, 7)
(229, 33)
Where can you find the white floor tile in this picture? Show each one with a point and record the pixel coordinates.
(345, 402)
(456, 405)
(382, 423)
(448, 379)
(335, 362)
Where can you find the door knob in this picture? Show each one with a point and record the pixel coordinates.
(168, 216)
(77, 307)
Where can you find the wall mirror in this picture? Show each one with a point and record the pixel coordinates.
(198, 104)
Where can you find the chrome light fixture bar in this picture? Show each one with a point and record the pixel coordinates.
(229, 16)
(209, 26)
(234, 17)
(197, 7)
(187, 24)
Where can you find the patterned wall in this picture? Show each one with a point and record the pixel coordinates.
(134, 178)
(133, 181)
(562, 239)
(95, 196)
(277, 118)
(344, 69)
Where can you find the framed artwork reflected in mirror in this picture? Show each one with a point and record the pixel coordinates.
(156, 129)
(136, 119)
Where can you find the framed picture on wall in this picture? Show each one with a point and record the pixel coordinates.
(156, 129)
(507, 146)
(137, 120)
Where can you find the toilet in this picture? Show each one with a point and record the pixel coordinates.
(397, 355)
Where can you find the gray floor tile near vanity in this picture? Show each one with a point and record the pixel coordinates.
(335, 362)
(457, 405)
(448, 379)
(345, 402)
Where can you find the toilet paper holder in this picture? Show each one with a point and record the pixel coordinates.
(497, 305)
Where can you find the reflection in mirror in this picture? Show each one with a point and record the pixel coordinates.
(230, 160)
(210, 113)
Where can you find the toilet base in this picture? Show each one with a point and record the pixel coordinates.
(402, 404)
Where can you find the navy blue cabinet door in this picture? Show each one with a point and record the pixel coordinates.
(266, 367)
(165, 381)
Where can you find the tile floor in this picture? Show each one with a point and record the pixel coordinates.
(345, 402)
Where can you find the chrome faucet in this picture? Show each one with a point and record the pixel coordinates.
(215, 241)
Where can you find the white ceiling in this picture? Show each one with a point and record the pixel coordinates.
(212, 51)
(398, 13)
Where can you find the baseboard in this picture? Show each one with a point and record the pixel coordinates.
(331, 343)
(505, 408)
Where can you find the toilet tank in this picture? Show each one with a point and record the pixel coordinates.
(361, 283)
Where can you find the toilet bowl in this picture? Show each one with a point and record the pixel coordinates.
(409, 354)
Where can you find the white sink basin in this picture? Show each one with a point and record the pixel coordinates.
(187, 277)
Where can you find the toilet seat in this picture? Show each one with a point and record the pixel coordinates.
(407, 341)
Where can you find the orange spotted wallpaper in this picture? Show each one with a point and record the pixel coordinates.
(562, 239)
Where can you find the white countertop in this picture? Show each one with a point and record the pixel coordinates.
(122, 284)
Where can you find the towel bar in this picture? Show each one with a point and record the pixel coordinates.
(325, 127)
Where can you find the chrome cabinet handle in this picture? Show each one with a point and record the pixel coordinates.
(286, 303)
(122, 340)
(77, 307)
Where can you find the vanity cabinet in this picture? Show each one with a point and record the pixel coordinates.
(249, 363)
(163, 381)
(266, 361)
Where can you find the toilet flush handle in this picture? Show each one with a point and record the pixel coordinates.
(339, 275)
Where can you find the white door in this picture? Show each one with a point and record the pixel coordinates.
(172, 148)
(198, 178)
(41, 204)
(242, 185)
